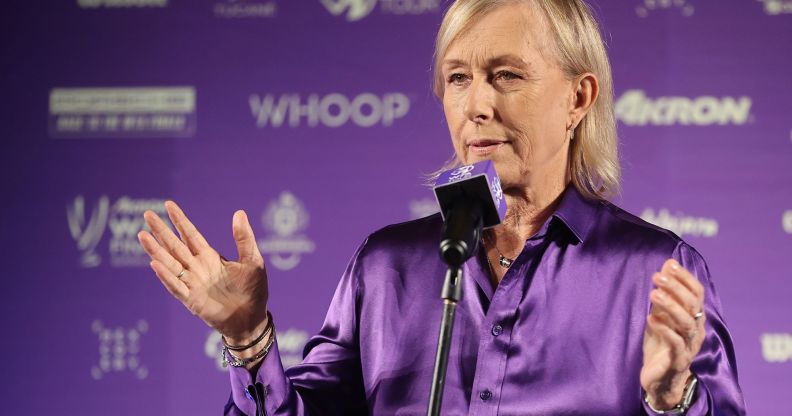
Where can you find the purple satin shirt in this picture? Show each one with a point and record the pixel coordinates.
(560, 335)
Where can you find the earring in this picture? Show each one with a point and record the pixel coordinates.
(571, 133)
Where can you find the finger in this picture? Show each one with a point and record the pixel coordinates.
(677, 317)
(189, 234)
(680, 292)
(156, 252)
(672, 267)
(245, 240)
(662, 330)
(176, 287)
(168, 240)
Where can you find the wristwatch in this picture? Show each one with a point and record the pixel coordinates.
(687, 399)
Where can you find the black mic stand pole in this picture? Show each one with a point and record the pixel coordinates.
(452, 292)
(461, 233)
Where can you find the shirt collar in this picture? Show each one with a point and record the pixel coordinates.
(576, 212)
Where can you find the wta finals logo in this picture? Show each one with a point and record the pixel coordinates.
(285, 219)
(123, 218)
(87, 233)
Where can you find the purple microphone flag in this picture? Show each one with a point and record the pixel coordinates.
(479, 180)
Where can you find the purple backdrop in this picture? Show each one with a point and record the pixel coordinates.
(316, 117)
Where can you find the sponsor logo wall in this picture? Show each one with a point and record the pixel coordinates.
(122, 112)
(777, 7)
(331, 110)
(353, 10)
(284, 243)
(777, 348)
(648, 7)
(93, 4)
(114, 225)
(236, 9)
(118, 350)
(635, 108)
(682, 225)
(317, 118)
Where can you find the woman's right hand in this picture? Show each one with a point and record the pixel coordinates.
(230, 296)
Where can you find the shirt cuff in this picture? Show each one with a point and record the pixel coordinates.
(699, 407)
(270, 374)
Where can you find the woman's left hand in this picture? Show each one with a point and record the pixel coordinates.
(673, 335)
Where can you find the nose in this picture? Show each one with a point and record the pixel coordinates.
(479, 107)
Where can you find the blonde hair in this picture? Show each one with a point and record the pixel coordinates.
(578, 48)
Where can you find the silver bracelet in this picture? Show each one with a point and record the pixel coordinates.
(682, 406)
(266, 331)
(235, 361)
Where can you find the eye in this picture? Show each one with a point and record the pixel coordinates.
(506, 76)
(457, 79)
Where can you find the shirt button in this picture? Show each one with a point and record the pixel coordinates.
(497, 330)
(485, 395)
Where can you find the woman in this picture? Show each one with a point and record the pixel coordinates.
(571, 306)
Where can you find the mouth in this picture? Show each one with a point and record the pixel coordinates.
(484, 147)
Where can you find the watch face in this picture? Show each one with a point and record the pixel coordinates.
(687, 399)
(690, 391)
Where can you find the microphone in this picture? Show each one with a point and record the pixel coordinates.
(470, 199)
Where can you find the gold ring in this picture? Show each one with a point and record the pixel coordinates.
(181, 273)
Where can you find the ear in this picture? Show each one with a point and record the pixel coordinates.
(585, 93)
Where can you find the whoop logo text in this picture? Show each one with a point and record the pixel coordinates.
(332, 110)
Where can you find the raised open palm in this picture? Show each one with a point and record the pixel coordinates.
(230, 296)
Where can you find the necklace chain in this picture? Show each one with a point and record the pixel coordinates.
(504, 261)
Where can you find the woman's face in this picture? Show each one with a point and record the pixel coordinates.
(505, 98)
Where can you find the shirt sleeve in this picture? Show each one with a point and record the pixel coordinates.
(329, 381)
(715, 366)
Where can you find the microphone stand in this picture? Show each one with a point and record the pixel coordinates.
(461, 234)
(452, 292)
